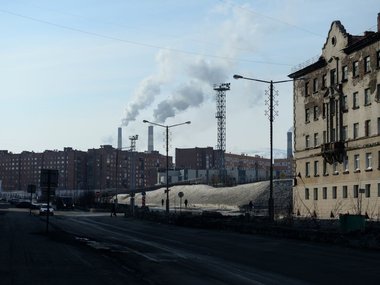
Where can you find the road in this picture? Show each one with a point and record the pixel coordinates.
(103, 250)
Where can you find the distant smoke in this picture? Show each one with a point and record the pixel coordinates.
(202, 74)
(144, 96)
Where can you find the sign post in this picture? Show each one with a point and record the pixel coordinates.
(31, 190)
(49, 179)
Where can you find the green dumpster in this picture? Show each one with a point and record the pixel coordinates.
(350, 223)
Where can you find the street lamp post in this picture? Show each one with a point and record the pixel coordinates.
(271, 119)
(167, 155)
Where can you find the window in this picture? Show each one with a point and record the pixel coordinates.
(332, 77)
(368, 160)
(316, 168)
(307, 89)
(324, 81)
(324, 134)
(377, 93)
(345, 192)
(378, 126)
(367, 190)
(315, 85)
(324, 110)
(334, 194)
(378, 189)
(324, 167)
(355, 100)
(345, 164)
(316, 141)
(307, 194)
(378, 58)
(367, 64)
(333, 132)
(355, 68)
(356, 130)
(324, 193)
(344, 133)
(367, 97)
(307, 169)
(316, 113)
(307, 115)
(356, 162)
(307, 141)
(367, 128)
(344, 72)
(315, 193)
(345, 103)
(356, 191)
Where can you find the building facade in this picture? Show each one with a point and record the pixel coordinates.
(97, 169)
(337, 128)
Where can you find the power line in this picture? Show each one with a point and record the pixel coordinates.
(272, 18)
(136, 42)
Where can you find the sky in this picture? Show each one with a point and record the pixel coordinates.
(73, 71)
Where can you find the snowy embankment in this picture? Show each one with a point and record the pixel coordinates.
(204, 197)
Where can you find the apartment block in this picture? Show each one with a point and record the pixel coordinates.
(337, 127)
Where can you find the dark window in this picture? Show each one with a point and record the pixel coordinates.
(368, 190)
(367, 64)
(315, 85)
(324, 167)
(356, 130)
(307, 169)
(332, 77)
(367, 97)
(367, 128)
(324, 192)
(378, 93)
(345, 194)
(356, 191)
(345, 103)
(316, 113)
(334, 192)
(315, 193)
(307, 194)
(324, 80)
(355, 100)
(316, 166)
(307, 89)
(344, 133)
(307, 115)
(378, 189)
(378, 58)
(344, 72)
(307, 141)
(355, 68)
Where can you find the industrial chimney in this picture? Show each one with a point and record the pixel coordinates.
(119, 138)
(150, 139)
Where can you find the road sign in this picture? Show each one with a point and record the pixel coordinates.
(180, 194)
(31, 188)
(49, 178)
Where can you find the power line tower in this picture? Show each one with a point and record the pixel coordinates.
(221, 127)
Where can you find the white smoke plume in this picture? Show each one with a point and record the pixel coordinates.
(200, 74)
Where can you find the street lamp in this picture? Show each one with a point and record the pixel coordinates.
(167, 155)
(271, 119)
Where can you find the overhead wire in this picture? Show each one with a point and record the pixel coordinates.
(95, 34)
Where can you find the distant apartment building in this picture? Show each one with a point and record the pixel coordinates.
(96, 169)
(337, 127)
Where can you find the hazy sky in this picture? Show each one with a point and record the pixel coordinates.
(73, 71)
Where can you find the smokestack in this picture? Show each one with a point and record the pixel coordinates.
(289, 145)
(150, 139)
(119, 138)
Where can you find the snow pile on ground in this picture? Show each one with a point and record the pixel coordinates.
(207, 197)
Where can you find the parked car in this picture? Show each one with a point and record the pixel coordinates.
(44, 210)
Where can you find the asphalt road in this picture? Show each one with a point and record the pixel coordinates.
(86, 249)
